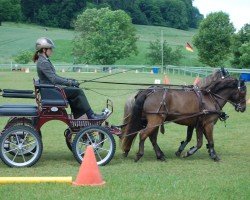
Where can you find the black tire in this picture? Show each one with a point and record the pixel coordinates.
(69, 137)
(18, 121)
(26, 144)
(100, 138)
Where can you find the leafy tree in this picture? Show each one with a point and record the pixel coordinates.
(60, 13)
(103, 36)
(152, 11)
(57, 13)
(240, 48)
(30, 9)
(245, 55)
(24, 57)
(170, 56)
(10, 10)
(193, 14)
(213, 39)
(175, 14)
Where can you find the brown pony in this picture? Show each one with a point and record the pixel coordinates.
(192, 107)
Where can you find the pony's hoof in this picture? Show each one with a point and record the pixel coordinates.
(125, 154)
(185, 155)
(178, 153)
(162, 158)
(216, 159)
(138, 157)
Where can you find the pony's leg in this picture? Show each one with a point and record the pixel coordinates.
(153, 138)
(190, 130)
(199, 135)
(210, 146)
(143, 136)
(128, 147)
(140, 152)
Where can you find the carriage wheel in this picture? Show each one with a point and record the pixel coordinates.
(21, 146)
(31, 149)
(100, 138)
(69, 137)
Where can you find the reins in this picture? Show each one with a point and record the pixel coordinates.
(93, 80)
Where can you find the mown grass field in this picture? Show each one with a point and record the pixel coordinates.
(19, 37)
(196, 177)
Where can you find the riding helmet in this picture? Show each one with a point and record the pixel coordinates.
(44, 42)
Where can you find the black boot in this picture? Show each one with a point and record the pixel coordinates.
(96, 116)
(92, 115)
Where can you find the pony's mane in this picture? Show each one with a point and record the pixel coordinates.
(228, 82)
(208, 82)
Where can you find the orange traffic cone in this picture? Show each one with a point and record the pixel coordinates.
(89, 174)
(197, 80)
(166, 80)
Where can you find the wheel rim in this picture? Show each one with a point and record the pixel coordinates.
(100, 142)
(20, 148)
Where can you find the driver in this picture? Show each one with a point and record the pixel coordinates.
(46, 72)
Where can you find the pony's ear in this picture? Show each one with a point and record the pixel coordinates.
(224, 72)
(242, 82)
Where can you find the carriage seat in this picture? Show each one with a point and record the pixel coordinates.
(51, 95)
(16, 110)
(10, 93)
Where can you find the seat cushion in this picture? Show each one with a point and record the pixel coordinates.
(18, 106)
(31, 111)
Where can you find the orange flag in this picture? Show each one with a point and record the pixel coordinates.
(189, 47)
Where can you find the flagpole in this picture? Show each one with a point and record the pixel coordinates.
(161, 51)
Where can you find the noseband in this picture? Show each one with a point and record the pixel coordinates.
(241, 90)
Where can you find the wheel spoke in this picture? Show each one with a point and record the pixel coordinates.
(15, 156)
(83, 144)
(103, 149)
(101, 142)
(89, 138)
(29, 144)
(11, 143)
(17, 139)
(98, 154)
(24, 138)
(31, 152)
(11, 150)
(23, 157)
(81, 154)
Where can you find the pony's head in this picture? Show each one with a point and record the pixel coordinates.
(239, 96)
(235, 88)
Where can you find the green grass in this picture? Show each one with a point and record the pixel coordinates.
(196, 177)
(18, 37)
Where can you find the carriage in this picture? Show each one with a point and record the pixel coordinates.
(21, 139)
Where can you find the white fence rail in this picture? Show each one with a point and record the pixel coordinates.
(185, 70)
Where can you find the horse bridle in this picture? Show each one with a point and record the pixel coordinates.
(236, 105)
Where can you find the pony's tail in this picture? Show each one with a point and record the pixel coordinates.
(135, 123)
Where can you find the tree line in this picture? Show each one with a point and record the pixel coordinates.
(180, 14)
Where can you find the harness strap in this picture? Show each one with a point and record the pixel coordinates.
(163, 102)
